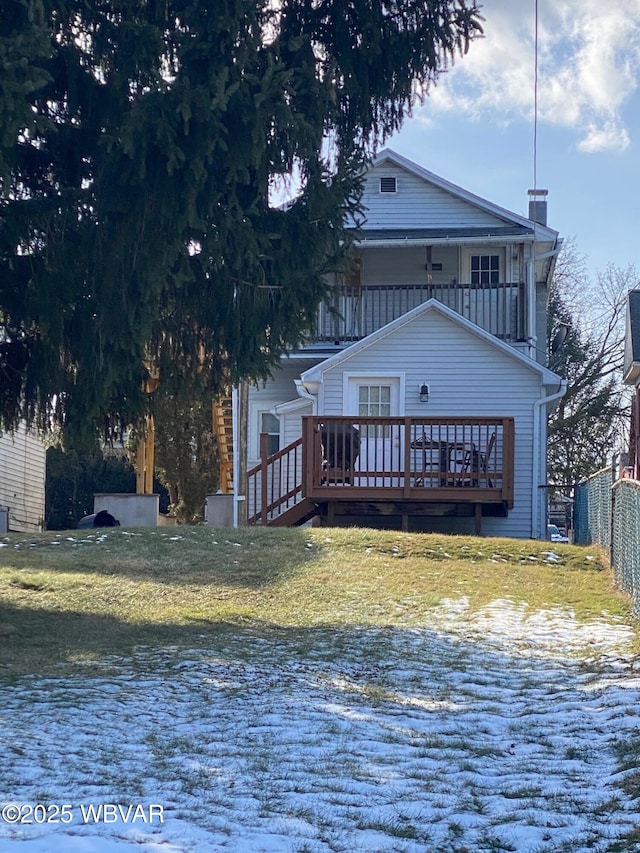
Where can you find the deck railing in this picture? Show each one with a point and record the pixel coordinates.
(275, 484)
(431, 460)
(355, 312)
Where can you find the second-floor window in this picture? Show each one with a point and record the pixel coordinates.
(485, 269)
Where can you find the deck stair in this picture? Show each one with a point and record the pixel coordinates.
(296, 515)
(274, 488)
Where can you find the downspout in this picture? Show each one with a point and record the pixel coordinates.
(236, 478)
(239, 403)
(535, 468)
(302, 392)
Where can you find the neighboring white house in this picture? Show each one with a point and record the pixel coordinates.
(22, 481)
(437, 361)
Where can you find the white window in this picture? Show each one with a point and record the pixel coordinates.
(270, 425)
(374, 401)
(485, 269)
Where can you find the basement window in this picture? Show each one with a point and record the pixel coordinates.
(388, 185)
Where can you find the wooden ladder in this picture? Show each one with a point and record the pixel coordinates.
(223, 430)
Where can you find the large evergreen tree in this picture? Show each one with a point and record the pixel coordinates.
(139, 142)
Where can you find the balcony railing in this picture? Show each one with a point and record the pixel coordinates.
(357, 311)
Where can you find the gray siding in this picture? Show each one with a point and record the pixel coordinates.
(417, 203)
(22, 480)
(467, 376)
(279, 389)
(408, 265)
(394, 266)
(291, 423)
(386, 266)
(541, 324)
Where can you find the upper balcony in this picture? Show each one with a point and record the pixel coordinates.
(358, 310)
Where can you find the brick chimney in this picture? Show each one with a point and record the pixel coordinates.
(538, 206)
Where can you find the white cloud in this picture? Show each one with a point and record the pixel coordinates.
(607, 138)
(588, 68)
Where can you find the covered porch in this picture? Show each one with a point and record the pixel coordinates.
(349, 467)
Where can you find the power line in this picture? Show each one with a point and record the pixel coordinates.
(535, 98)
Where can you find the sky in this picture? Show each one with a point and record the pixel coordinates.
(477, 130)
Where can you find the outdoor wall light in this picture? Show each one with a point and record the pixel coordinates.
(424, 393)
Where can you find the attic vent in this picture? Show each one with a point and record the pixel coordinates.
(388, 185)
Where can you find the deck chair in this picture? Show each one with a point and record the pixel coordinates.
(483, 460)
(477, 462)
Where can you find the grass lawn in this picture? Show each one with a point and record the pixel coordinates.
(73, 597)
(319, 691)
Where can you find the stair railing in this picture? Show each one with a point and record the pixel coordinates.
(274, 485)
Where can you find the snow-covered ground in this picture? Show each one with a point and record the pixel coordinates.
(468, 733)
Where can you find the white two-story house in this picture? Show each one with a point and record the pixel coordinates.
(421, 401)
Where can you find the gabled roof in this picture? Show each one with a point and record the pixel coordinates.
(314, 374)
(515, 223)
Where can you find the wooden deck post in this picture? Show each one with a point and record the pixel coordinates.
(477, 519)
(145, 456)
(264, 474)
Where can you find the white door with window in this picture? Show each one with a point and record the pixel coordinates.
(381, 450)
(486, 301)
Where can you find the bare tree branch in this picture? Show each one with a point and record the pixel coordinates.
(588, 422)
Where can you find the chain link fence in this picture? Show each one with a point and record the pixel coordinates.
(625, 550)
(592, 510)
(608, 514)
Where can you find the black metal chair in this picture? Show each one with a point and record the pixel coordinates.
(340, 451)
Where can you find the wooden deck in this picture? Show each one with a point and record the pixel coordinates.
(404, 466)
